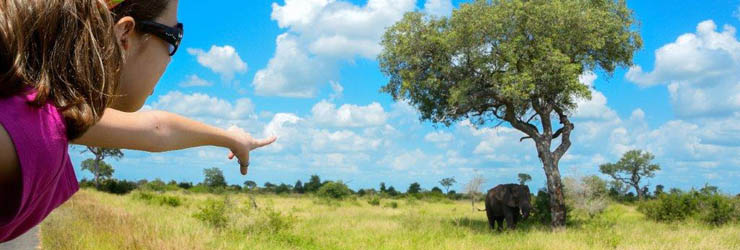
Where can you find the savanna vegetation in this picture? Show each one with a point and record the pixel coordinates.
(330, 215)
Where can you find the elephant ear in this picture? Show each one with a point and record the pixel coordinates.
(505, 195)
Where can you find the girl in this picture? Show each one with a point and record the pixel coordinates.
(72, 71)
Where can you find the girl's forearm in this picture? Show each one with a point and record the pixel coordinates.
(177, 132)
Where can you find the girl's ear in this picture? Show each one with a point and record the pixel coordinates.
(124, 30)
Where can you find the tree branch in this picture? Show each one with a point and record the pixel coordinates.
(566, 129)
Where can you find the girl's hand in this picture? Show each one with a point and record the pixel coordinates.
(243, 144)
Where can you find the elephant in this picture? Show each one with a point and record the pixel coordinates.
(505, 201)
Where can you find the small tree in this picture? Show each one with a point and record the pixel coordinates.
(382, 188)
(100, 155)
(414, 188)
(473, 188)
(250, 185)
(447, 183)
(298, 188)
(524, 178)
(633, 167)
(214, 178)
(313, 184)
(101, 170)
(659, 190)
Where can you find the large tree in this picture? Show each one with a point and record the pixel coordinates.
(631, 169)
(509, 61)
(97, 166)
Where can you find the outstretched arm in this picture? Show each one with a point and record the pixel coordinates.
(158, 131)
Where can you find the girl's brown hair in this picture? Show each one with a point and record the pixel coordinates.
(67, 51)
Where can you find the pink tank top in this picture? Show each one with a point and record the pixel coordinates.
(48, 177)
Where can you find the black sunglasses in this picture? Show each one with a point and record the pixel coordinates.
(171, 35)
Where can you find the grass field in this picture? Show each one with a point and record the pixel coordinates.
(95, 220)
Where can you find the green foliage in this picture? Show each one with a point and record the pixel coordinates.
(524, 178)
(116, 186)
(436, 190)
(158, 199)
(392, 204)
(214, 213)
(414, 188)
(374, 201)
(103, 171)
(251, 185)
(447, 183)
(274, 221)
(214, 178)
(298, 187)
(718, 210)
(710, 207)
(541, 207)
(334, 190)
(501, 55)
(313, 184)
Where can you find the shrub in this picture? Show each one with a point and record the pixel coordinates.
(719, 210)
(674, 206)
(374, 201)
(158, 199)
(115, 186)
(213, 213)
(710, 207)
(586, 195)
(334, 190)
(391, 204)
(542, 207)
(274, 221)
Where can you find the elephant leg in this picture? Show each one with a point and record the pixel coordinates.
(517, 218)
(500, 222)
(510, 221)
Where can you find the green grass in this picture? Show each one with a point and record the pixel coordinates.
(94, 220)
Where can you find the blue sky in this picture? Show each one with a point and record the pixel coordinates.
(305, 70)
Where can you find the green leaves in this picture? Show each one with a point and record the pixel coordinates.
(502, 55)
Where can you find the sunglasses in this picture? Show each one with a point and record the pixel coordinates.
(171, 35)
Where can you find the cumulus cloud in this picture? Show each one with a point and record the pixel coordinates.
(292, 72)
(195, 81)
(202, 105)
(348, 115)
(595, 108)
(701, 71)
(322, 33)
(224, 61)
(440, 138)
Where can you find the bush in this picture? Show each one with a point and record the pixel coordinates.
(710, 207)
(670, 207)
(334, 190)
(391, 204)
(542, 207)
(162, 200)
(375, 201)
(115, 186)
(213, 213)
(586, 195)
(719, 210)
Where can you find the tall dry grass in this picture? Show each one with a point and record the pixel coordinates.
(94, 220)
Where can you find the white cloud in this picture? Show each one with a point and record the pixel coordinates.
(202, 105)
(440, 138)
(224, 61)
(595, 108)
(701, 70)
(320, 34)
(195, 81)
(438, 7)
(348, 115)
(292, 72)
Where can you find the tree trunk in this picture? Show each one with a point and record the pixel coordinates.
(554, 188)
(97, 173)
(639, 192)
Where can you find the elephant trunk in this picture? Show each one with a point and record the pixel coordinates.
(526, 208)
